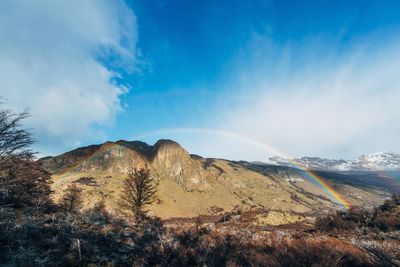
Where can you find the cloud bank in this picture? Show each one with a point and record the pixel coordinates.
(312, 99)
(52, 58)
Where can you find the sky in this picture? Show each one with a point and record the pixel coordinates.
(232, 79)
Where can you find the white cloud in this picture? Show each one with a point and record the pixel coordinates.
(309, 99)
(332, 104)
(50, 63)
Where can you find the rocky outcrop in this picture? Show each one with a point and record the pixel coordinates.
(60, 163)
(166, 159)
(171, 161)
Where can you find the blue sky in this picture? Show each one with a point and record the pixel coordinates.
(234, 79)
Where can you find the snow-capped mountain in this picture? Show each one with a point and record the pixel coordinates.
(372, 162)
(379, 161)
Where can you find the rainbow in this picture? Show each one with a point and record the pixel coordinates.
(324, 185)
(336, 196)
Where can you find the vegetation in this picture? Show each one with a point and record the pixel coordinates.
(98, 239)
(139, 191)
(22, 181)
(384, 218)
(71, 201)
(14, 140)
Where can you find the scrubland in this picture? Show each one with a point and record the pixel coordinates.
(50, 236)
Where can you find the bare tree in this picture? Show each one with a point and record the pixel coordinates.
(15, 141)
(139, 191)
(71, 201)
(23, 182)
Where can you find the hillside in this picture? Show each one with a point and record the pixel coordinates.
(190, 185)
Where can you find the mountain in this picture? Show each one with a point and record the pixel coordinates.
(381, 161)
(190, 185)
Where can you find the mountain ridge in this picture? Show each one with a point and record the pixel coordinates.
(379, 161)
(190, 185)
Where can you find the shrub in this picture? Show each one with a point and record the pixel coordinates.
(333, 222)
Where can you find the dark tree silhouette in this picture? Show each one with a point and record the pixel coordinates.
(139, 191)
(71, 201)
(22, 180)
(25, 183)
(15, 141)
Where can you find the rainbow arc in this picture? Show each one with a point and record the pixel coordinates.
(321, 182)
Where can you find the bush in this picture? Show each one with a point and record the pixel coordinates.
(385, 218)
(334, 222)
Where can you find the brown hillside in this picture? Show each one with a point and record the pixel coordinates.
(191, 185)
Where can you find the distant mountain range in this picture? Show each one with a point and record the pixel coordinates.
(380, 161)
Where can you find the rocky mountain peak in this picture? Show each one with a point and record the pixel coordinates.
(166, 143)
(380, 160)
(370, 162)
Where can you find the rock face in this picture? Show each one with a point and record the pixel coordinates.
(56, 164)
(190, 185)
(171, 160)
(166, 159)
